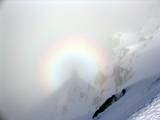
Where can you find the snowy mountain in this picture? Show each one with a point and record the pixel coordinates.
(137, 69)
(137, 96)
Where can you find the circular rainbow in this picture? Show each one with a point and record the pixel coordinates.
(88, 55)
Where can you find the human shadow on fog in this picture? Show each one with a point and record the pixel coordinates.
(73, 99)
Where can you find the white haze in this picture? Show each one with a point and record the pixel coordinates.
(29, 27)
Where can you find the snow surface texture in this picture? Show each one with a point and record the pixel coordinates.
(150, 112)
(136, 97)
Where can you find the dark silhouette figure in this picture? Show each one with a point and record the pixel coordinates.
(105, 105)
(109, 102)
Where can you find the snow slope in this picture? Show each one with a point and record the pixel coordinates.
(149, 112)
(136, 97)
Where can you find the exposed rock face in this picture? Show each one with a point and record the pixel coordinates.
(109, 102)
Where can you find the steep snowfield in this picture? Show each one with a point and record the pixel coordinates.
(136, 97)
(150, 112)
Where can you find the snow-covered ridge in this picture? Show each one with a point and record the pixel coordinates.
(137, 96)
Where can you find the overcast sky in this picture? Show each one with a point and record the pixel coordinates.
(29, 27)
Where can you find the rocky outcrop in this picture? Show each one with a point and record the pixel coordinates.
(109, 102)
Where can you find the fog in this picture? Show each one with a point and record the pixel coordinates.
(1, 49)
(30, 28)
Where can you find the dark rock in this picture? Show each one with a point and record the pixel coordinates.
(109, 102)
